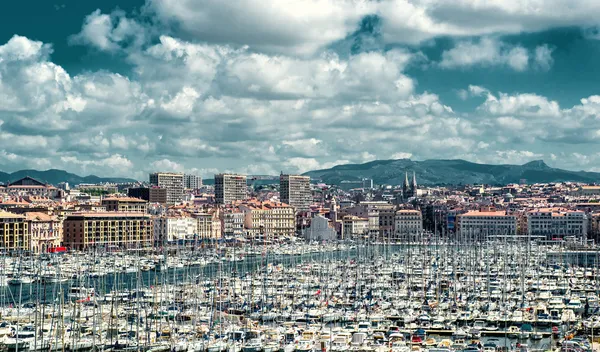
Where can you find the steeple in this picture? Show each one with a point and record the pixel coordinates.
(406, 184)
(414, 184)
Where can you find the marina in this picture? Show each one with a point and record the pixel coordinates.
(435, 296)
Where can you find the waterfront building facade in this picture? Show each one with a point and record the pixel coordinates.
(173, 228)
(14, 232)
(268, 220)
(45, 231)
(108, 230)
(484, 223)
(354, 227)
(408, 224)
(555, 223)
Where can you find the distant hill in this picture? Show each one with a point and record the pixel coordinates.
(54, 177)
(453, 172)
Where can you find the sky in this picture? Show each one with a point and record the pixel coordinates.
(124, 88)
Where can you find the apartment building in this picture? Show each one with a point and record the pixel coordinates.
(173, 228)
(208, 224)
(268, 220)
(408, 224)
(110, 229)
(232, 222)
(125, 204)
(595, 224)
(557, 223)
(486, 222)
(354, 227)
(192, 182)
(230, 188)
(386, 219)
(172, 182)
(153, 194)
(295, 191)
(14, 232)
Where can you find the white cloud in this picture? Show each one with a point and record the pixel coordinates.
(305, 147)
(183, 103)
(113, 165)
(477, 90)
(302, 26)
(244, 110)
(401, 155)
(515, 156)
(106, 32)
(530, 105)
(166, 165)
(20, 48)
(487, 52)
(510, 123)
(302, 165)
(543, 57)
(420, 20)
(363, 76)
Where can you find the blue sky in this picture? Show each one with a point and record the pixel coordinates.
(122, 88)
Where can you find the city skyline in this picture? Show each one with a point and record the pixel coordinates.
(202, 87)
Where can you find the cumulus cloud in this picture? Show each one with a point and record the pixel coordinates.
(269, 94)
(107, 32)
(527, 104)
(113, 165)
(531, 119)
(300, 26)
(304, 26)
(20, 48)
(493, 52)
(417, 21)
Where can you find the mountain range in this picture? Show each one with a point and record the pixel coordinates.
(54, 177)
(449, 172)
(391, 172)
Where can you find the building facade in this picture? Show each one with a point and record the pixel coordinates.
(111, 229)
(354, 227)
(30, 186)
(408, 224)
(230, 188)
(45, 231)
(268, 220)
(125, 204)
(208, 224)
(14, 232)
(485, 223)
(232, 222)
(557, 223)
(172, 182)
(321, 229)
(587, 191)
(192, 182)
(595, 225)
(295, 191)
(387, 230)
(173, 228)
(139, 192)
